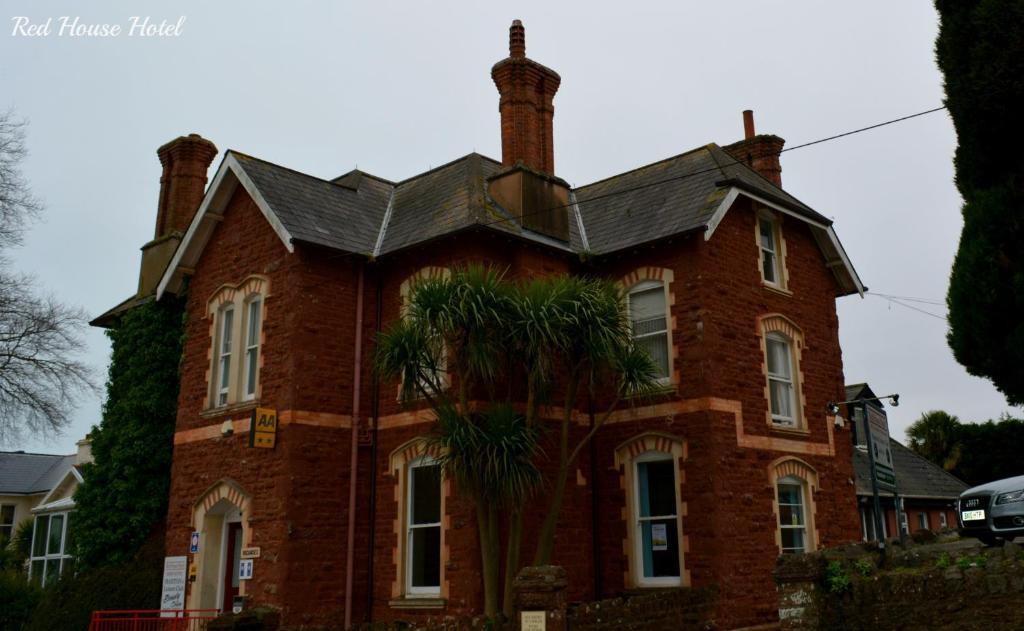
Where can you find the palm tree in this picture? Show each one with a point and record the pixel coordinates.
(936, 436)
(546, 337)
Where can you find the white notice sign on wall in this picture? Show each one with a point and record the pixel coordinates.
(175, 576)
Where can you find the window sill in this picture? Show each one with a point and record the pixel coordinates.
(802, 432)
(414, 602)
(775, 289)
(230, 408)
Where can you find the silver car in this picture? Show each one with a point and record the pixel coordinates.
(992, 512)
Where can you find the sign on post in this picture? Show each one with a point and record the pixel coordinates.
(193, 545)
(251, 553)
(263, 428)
(173, 595)
(884, 471)
(245, 569)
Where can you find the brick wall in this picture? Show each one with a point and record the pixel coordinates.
(299, 490)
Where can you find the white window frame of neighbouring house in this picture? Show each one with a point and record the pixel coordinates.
(238, 314)
(7, 513)
(44, 554)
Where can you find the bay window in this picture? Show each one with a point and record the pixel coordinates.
(50, 550)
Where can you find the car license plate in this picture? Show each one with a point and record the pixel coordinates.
(972, 515)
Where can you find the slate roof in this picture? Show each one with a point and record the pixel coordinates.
(672, 196)
(915, 476)
(363, 214)
(669, 197)
(28, 474)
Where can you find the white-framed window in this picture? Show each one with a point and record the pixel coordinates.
(49, 556)
(238, 314)
(423, 528)
(772, 255)
(6, 522)
(792, 514)
(922, 521)
(781, 382)
(649, 317)
(656, 519)
(253, 309)
(225, 339)
(943, 519)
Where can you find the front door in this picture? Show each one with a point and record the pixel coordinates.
(232, 556)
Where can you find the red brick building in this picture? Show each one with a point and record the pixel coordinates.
(731, 281)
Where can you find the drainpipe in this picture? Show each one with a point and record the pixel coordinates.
(354, 462)
(375, 412)
(595, 518)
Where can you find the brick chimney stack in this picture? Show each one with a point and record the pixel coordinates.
(760, 152)
(185, 161)
(527, 92)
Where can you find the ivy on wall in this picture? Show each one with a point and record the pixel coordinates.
(124, 494)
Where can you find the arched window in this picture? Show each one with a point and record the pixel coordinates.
(420, 524)
(423, 527)
(794, 483)
(792, 515)
(649, 464)
(782, 344)
(649, 305)
(237, 313)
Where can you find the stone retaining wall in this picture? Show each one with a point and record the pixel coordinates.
(959, 585)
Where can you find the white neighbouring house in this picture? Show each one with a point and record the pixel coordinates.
(41, 487)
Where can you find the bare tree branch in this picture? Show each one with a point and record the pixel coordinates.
(41, 376)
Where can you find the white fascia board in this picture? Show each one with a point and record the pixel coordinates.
(64, 478)
(833, 239)
(229, 165)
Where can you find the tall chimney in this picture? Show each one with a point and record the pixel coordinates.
(527, 92)
(760, 152)
(185, 161)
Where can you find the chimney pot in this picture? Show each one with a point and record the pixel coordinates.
(517, 39)
(185, 161)
(748, 124)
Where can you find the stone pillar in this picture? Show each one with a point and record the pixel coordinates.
(798, 578)
(541, 588)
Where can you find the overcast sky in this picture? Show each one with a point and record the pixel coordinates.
(398, 87)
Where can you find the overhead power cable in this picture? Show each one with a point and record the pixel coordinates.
(718, 167)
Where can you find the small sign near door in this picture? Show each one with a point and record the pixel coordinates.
(245, 569)
(263, 428)
(251, 553)
(193, 545)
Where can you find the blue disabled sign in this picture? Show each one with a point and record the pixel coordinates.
(193, 546)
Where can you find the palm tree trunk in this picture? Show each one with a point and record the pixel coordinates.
(515, 539)
(488, 559)
(546, 540)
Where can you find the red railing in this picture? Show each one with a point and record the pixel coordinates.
(152, 620)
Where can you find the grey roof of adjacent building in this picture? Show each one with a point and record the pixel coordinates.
(28, 474)
(916, 476)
